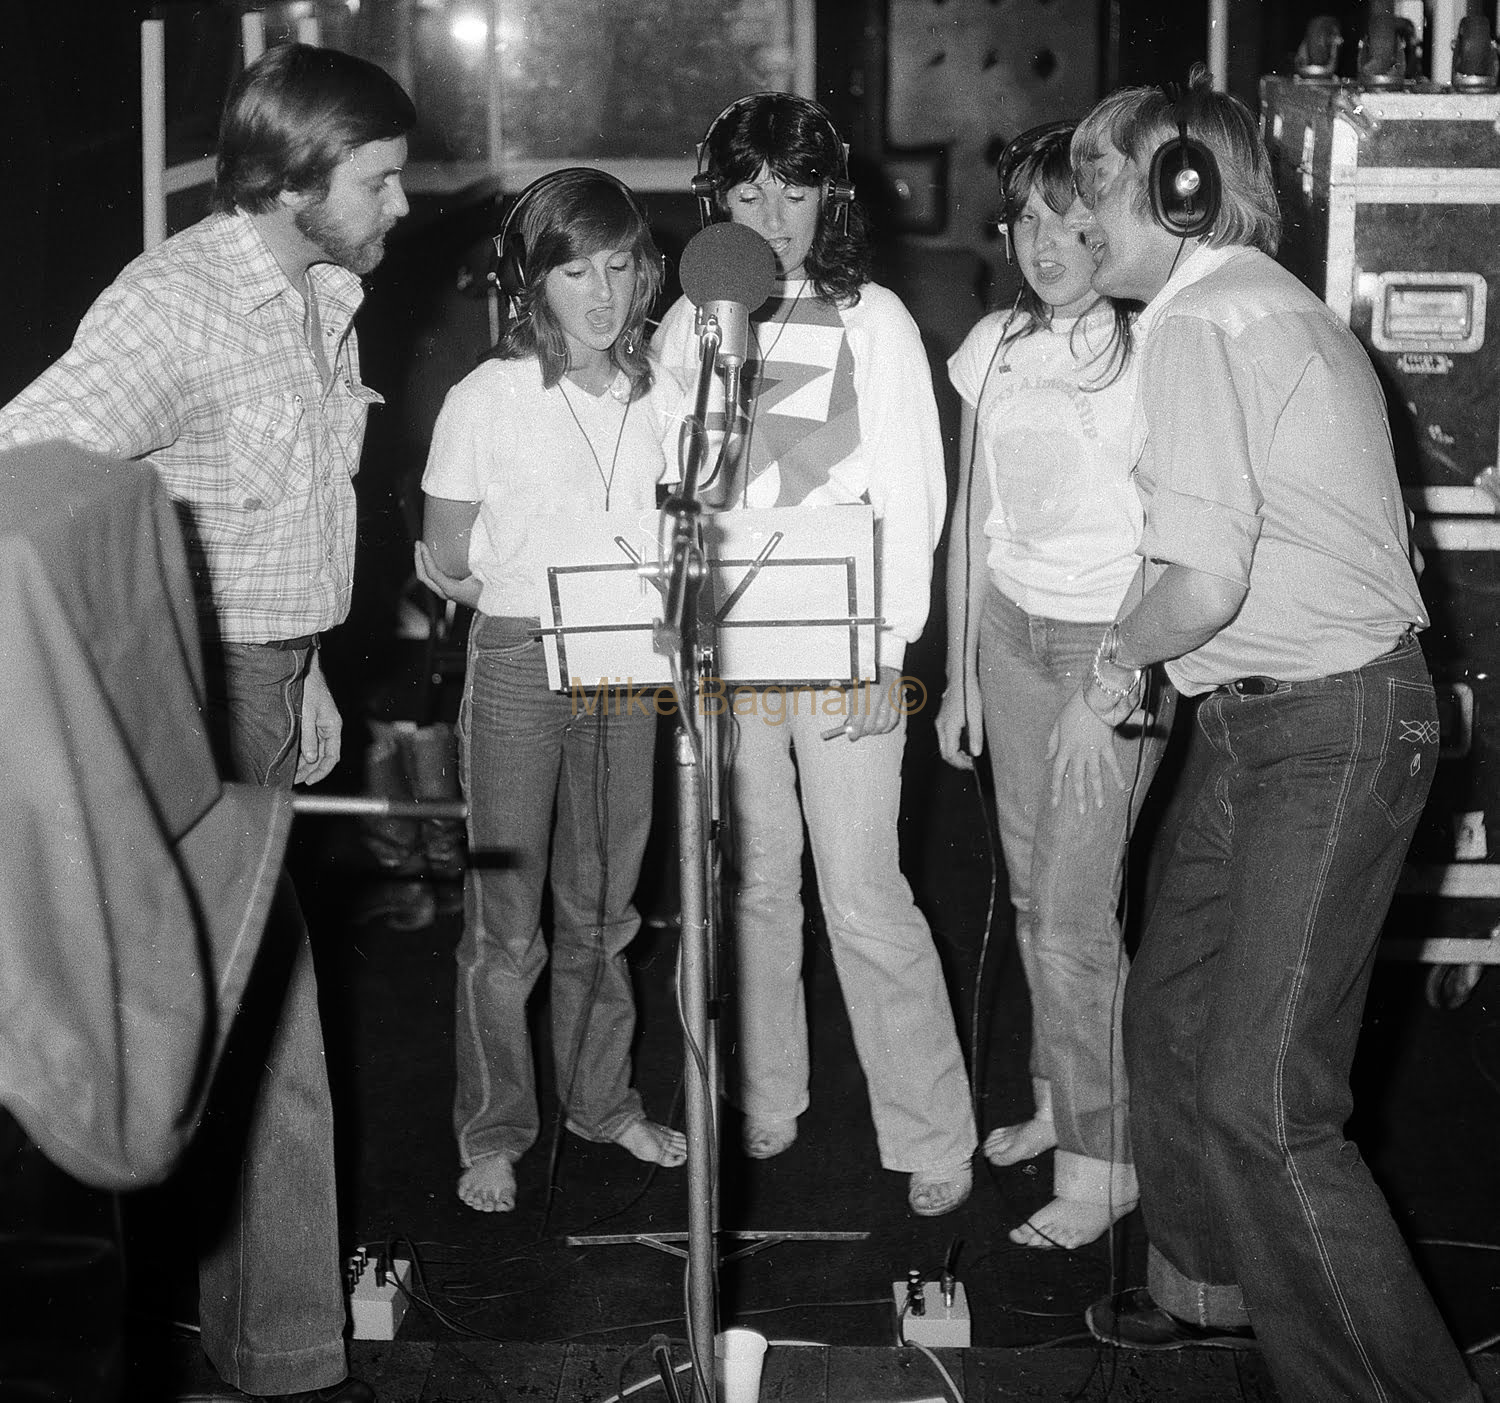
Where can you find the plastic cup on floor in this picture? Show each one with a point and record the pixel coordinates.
(737, 1359)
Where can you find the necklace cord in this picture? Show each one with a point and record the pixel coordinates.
(752, 382)
(609, 480)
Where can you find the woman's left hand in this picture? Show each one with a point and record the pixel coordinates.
(886, 707)
(1081, 748)
(461, 591)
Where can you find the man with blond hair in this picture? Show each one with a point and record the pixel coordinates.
(1279, 590)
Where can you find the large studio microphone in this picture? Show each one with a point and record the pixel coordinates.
(728, 270)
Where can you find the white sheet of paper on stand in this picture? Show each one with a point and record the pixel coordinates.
(806, 614)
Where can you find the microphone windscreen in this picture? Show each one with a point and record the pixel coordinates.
(728, 263)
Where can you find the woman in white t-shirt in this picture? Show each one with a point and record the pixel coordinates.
(567, 417)
(1046, 503)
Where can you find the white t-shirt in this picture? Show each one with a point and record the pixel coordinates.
(1065, 517)
(504, 441)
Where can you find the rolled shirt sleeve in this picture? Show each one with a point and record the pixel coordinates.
(1197, 467)
(1265, 459)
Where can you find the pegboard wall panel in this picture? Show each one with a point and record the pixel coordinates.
(970, 74)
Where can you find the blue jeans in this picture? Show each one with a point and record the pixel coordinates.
(887, 964)
(544, 773)
(272, 1314)
(1065, 871)
(1241, 1017)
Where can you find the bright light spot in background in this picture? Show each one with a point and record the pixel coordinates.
(470, 30)
(352, 6)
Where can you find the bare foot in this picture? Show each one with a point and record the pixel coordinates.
(490, 1185)
(1013, 1143)
(930, 1195)
(1067, 1223)
(654, 1143)
(765, 1139)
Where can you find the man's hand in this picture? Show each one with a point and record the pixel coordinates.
(461, 591)
(1081, 748)
(955, 714)
(886, 709)
(322, 727)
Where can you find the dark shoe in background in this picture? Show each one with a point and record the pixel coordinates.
(1132, 1320)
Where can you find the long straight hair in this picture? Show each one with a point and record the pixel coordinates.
(575, 216)
(1047, 169)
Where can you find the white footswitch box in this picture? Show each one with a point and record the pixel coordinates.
(378, 1300)
(939, 1326)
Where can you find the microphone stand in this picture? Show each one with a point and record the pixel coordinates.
(685, 636)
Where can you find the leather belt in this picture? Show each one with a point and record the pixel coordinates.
(1252, 686)
(307, 640)
(1268, 686)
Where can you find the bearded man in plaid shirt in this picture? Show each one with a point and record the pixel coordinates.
(226, 357)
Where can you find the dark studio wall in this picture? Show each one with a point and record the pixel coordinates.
(70, 98)
(69, 92)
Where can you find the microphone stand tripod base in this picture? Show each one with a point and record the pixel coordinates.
(667, 1241)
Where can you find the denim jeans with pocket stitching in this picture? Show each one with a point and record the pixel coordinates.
(1242, 1013)
(557, 791)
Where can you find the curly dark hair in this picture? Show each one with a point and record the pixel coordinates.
(795, 140)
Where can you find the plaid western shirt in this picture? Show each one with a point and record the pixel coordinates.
(195, 357)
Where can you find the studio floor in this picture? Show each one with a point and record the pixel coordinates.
(505, 1306)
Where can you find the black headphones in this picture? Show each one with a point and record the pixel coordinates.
(1018, 149)
(510, 247)
(838, 190)
(1186, 190)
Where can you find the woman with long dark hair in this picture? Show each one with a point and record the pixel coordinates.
(838, 409)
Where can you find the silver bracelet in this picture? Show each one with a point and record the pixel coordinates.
(1108, 645)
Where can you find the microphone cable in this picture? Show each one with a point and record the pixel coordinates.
(991, 819)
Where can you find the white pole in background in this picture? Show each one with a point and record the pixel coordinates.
(252, 35)
(1218, 44)
(153, 132)
(493, 130)
(1445, 17)
(804, 47)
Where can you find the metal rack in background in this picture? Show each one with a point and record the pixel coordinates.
(1390, 189)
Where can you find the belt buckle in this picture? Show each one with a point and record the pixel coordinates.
(1254, 686)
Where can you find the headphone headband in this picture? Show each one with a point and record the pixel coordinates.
(1024, 145)
(838, 190)
(1019, 149)
(510, 247)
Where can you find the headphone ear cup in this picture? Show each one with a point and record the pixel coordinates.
(838, 196)
(511, 272)
(705, 188)
(1186, 192)
(840, 192)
